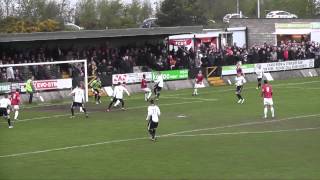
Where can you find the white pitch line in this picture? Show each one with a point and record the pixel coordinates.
(246, 132)
(133, 139)
(170, 95)
(243, 124)
(233, 89)
(304, 88)
(130, 108)
(72, 147)
(202, 99)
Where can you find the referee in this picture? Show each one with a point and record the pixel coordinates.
(153, 119)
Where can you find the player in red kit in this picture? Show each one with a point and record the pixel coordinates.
(198, 83)
(15, 102)
(145, 89)
(267, 98)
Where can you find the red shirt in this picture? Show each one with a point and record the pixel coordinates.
(199, 78)
(143, 84)
(15, 98)
(286, 55)
(267, 91)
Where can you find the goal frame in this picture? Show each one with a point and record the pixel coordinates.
(84, 61)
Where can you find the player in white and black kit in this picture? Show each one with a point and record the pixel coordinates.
(153, 119)
(118, 96)
(158, 85)
(259, 72)
(5, 105)
(78, 99)
(240, 81)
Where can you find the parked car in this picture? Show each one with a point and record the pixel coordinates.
(280, 14)
(227, 17)
(148, 23)
(71, 26)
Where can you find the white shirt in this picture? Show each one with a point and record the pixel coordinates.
(118, 92)
(240, 80)
(78, 95)
(5, 102)
(259, 72)
(154, 113)
(159, 80)
(10, 73)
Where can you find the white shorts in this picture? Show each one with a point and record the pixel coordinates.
(146, 89)
(199, 85)
(268, 101)
(16, 107)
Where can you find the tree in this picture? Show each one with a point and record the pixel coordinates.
(52, 11)
(181, 13)
(17, 25)
(87, 14)
(146, 10)
(31, 9)
(133, 11)
(110, 14)
(7, 6)
(303, 8)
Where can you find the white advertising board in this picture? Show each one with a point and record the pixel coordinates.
(287, 65)
(40, 85)
(130, 77)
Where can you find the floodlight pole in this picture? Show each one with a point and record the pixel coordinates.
(258, 8)
(238, 7)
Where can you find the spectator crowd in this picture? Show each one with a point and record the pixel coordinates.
(105, 61)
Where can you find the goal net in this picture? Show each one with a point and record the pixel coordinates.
(56, 76)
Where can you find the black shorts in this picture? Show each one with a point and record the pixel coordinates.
(157, 88)
(4, 112)
(96, 91)
(239, 89)
(259, 79)
(152, 125)
(76, 104)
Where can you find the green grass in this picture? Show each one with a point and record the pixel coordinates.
(119, 148)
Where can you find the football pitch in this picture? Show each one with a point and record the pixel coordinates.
(208, 136)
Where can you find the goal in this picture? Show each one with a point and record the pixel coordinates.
(48, 76)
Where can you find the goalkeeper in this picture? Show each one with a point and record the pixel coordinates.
(96, 87)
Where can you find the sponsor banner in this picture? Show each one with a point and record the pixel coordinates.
(52, 84)
(130, 78)
(287, 65)
(5, 87)
(230, 70)
(172, 74)
(270, 67)
(40, 85)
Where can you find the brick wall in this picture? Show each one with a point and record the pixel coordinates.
(260, 30)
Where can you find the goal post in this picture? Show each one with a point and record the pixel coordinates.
(85, 66)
